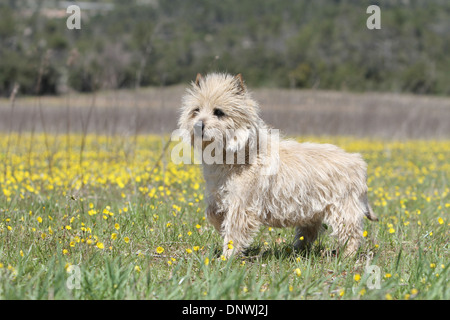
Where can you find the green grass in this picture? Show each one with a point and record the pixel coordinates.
(409, 245)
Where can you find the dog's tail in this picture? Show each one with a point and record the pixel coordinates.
(369, 213)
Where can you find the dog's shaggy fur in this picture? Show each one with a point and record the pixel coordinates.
(310, 183)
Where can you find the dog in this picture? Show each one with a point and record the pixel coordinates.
(285, 184)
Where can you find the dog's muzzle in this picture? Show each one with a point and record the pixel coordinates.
(199, 127)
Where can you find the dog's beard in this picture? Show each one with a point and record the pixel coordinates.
(208, 145)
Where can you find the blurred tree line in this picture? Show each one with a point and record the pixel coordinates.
(279, 43)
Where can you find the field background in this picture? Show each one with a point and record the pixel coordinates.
(293, 111)
(91, 207)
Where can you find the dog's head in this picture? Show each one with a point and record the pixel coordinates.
(219, 107)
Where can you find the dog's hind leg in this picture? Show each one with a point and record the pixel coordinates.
(347, 224)
(306, 235)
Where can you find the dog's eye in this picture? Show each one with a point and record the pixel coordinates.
(218, 113)
(195, 111)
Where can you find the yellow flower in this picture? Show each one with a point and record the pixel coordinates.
(196, 248)
(198, 226)
(39, 219)
(9, 228)
(432, 265)
(391, 230)
(222, 257)
(65, 251)
(117, 226)
(440, 220)
(188, 250)
(114, 236)
(137, 269)
(388, 296)
(387, 275)
(159, 250)
(357, 277)
(100, 245)
(365, 233)
(298, 272)
(206, 262)
(126, 239)
(68, 227)
(21, 253)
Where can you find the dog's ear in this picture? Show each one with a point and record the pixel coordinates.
(197, 79)
(240, 83)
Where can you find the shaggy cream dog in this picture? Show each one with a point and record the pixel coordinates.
(276, 183)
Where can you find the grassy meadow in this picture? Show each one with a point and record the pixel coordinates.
(95, 216)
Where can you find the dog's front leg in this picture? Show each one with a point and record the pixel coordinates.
(214, 217)
(238, 229)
